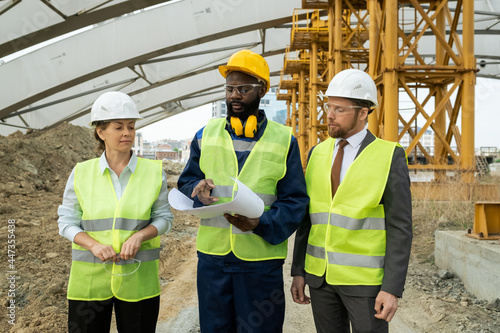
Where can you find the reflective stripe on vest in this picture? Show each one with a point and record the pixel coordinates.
(347, 237)
(87, 256)
(112, 222)
(264, 167)
(349, 223)
(120, 223)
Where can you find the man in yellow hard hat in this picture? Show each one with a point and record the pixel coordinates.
(353, 247)
(240, 274)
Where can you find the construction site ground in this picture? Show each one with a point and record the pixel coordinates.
(33, 170)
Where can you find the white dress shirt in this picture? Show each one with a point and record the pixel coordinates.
(70, 212)
(350, 150)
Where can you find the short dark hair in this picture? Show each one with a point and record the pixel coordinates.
(362, 102)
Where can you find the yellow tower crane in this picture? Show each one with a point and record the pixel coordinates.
(386, 39)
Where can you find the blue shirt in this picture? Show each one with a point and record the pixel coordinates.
(70, 212)
(286, 213)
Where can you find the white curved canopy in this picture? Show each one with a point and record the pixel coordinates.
(164, 54)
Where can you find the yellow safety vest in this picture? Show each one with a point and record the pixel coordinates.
(112, 222)
(348, 236)
(264, 167)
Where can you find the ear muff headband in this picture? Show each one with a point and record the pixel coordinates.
(250, 126)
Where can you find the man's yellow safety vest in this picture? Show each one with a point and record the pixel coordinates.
(264, 167)
(348, 233)
(112, 222)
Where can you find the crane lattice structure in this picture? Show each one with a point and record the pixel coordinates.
(382, 38)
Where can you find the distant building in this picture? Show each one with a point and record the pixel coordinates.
(165, 152)
(186, 151)
(148, 151)
(275, 110)
(138, 147)
(159, 150)
(219, 109)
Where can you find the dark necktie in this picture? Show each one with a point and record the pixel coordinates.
(337, 165)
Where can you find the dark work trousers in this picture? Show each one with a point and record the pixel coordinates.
(333, 311)
(131, 317)
(241, 297)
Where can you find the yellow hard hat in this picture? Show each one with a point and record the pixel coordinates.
(248, 62)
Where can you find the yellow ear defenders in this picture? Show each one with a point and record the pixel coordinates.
(249, 126)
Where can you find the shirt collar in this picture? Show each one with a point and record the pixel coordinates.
(103, 163)
(356, 139)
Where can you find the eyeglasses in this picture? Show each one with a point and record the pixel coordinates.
(244, 89)
(126, 267)
(340, 110)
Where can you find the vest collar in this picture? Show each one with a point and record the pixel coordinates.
(103, 163)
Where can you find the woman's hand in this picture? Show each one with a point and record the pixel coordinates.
(133, 243)
(131, 246)
(101, 251)
(104, 252)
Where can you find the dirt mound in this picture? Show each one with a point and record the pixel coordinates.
(41, 160)
(34, 168)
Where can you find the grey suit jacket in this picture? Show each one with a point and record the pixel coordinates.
(397, 206)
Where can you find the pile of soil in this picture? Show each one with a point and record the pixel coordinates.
(34, 168)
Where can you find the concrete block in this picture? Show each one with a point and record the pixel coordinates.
(475, 262)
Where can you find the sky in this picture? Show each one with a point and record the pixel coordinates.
(178, 127)
(487, 121)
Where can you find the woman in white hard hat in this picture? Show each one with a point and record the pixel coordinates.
(114, 209)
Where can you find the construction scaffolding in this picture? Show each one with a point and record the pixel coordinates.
(436, 77)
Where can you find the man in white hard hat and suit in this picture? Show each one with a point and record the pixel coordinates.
(353, 247)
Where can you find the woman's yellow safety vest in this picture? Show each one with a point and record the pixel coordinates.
(348, 234)
(112, 222)
(264, 167)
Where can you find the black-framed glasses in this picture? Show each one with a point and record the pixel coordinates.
(243, 89)
(340, 110)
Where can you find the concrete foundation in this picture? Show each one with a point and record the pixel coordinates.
(475, 262)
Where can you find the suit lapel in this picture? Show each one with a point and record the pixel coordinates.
(369, 138)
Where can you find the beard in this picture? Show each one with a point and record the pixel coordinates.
(248, 109)
(342, 131)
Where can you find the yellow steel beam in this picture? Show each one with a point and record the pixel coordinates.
(331, 29)
(390, 74)
(313, 91)
(302, 117)
(337, 37)
(440, 122)
(468, 160)
(374, 41)
(431, 118)
(434, 29)
(294, 112)
(327, 47)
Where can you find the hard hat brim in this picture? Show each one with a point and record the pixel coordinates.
(224, 70)
(91, 124)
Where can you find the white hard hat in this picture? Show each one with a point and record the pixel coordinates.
(355, 84)
(113, 105)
